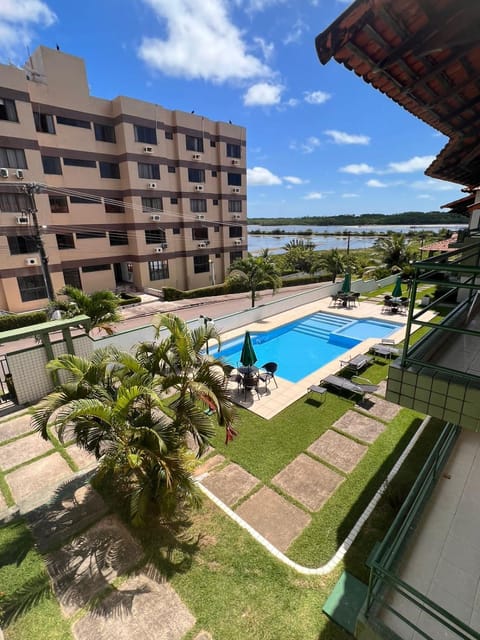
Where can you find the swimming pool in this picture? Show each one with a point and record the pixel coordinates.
(305, 345)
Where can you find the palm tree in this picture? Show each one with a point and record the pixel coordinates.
(299, 255)
(254, 272)
(395, 251)
(101, 306)
(332, 262)
(136, 413)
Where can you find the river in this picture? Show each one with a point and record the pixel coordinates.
(275, 243)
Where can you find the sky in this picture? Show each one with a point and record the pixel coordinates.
(320, 141)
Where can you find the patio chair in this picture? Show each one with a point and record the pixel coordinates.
(233, 375)
(250, 383)
(385, 350)
(354, 388)
(357, 363)
(268, 373)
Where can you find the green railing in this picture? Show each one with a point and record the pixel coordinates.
(385, 558)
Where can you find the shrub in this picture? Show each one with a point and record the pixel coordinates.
(14, 321)
(127, 298)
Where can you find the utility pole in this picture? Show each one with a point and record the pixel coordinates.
(30, 189)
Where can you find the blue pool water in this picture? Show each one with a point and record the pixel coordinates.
(305, 345)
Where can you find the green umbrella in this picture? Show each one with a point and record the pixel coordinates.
(347, 283)
(248, 356)
(397, 289)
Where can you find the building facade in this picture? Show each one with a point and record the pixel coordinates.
(131, 193)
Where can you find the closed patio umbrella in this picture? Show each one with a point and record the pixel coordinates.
(346, 286)
(397, 289)
(248, 356)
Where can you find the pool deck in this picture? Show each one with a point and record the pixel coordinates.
(273, 400)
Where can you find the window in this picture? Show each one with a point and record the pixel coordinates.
(233, 150)
(58, 204)
(96, 267)
(44, 122)
(213, 143)
(80, 200)
(176, 231)
(109, 170)
(76, 162)
(104, 132)
(171, 169)
(22, 244)
(65, 241)
(173, 200)
(14, 158)
(73, 122)
(88, 235)
(145, 134)
(200, 233)
(196, 175)
(72, 277)
(168, 135)
(148, 171)
(201, 264)
(215, 202)
(117, 238)
(13, 202)
(114, 206)
(32, 288)
(155, 236)
(8, 111)
(235, 232)
(194, 143)
(235, 255)
(234, 179)
(216, 228)
(158, 269)
(51, 165)
(235, 206)
(150, 205)
(214, 174)
(198, 205)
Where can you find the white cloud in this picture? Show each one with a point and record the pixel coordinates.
(341, 137)
(417, 163)
(294, 180)
(292, 102)
(377, 184)
(261, 177)
(316, 97)
(313, 195)
(434, 185)
(253, 6)
(427, 196)
(350, 195)
(201, 42)
(296, 32)
(17, 18)
(267, 48)
(357, 169)
(263, 94)
(308, 146)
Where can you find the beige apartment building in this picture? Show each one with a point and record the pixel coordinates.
(132, 193)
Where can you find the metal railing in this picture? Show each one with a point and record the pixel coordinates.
(383, 579)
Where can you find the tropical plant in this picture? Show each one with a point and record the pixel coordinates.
(299, 255)
(255, 271)
(100, 306)
(394, 250)
(139, 413)
(332, 262)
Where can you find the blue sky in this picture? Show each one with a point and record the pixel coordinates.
(320, 140)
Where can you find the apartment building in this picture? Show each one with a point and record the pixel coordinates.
(425, 574)
(131, 193)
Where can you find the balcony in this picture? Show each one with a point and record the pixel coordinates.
(439, 374)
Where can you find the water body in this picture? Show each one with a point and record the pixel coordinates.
(275, 243)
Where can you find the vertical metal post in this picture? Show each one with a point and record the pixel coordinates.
(206, 320)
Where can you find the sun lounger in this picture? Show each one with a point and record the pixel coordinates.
(357, 363)
(385, 350)
(355, 388)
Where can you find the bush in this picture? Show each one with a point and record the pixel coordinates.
(128, 298)
(14, 321)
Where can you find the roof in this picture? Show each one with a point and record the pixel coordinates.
(424, 55)
(461, 206)
(442, 245)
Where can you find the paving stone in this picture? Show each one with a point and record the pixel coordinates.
(231, 483)
(86, 566)
(140, 608)
(3, 503)
(308, 481)
(338, 450)
(203, 635)
(382, 388)
(276, 519)
(209, 464)
(81, 457)
(379, 407)
(359, 426)
(22, 450)
(15, 427)
(38, 476)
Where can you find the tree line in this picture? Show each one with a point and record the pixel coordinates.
(414, 218)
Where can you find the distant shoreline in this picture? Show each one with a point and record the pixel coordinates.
(408, 218)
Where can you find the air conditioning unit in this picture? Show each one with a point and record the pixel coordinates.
(31, 262)
(3, 173)
(202, 245)
(147, 149)
(235, 162)
(200, 216)
(196, 156)
(164, 245)
(152, 185)
(236, 216)
(22, 220)
(19, 174)
(238, 241)
(199, 187)
(158, 249)
(155, 217)
(235, 189)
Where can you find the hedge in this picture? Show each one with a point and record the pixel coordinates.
(13, 321)
(126, 299)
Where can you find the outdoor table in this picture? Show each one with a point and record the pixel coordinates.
(251, 372)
